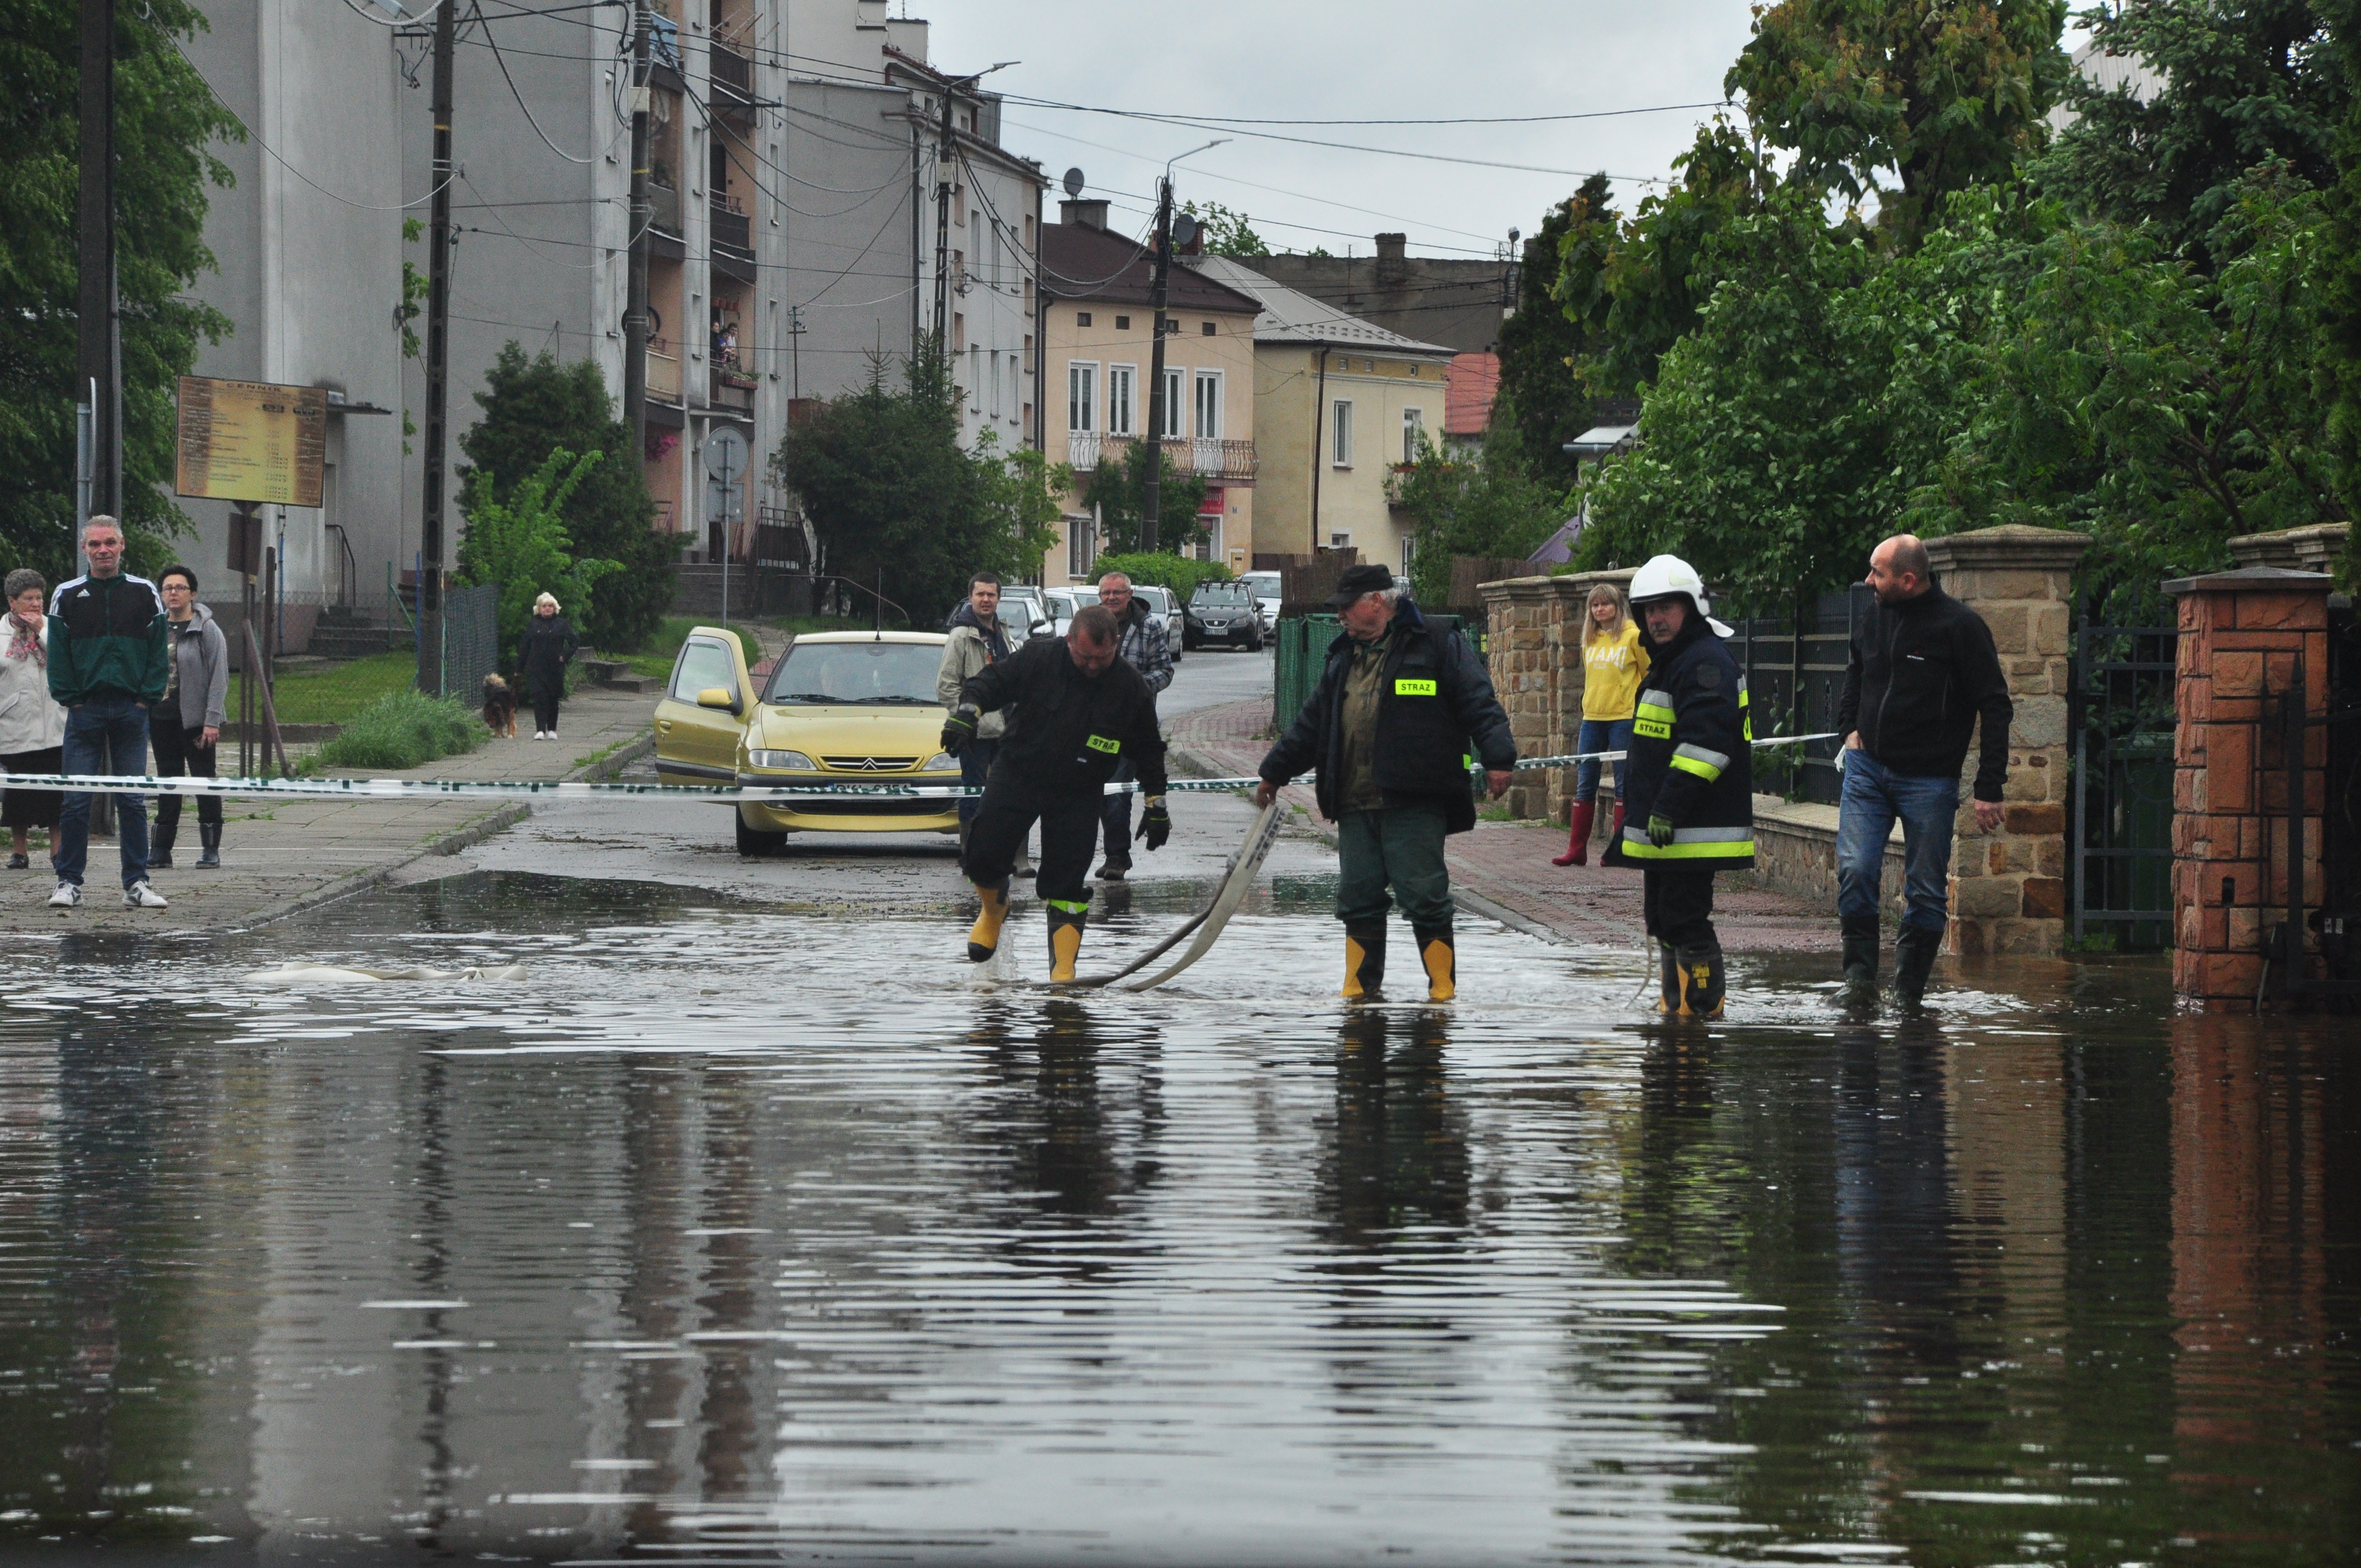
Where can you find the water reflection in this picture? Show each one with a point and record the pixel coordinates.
(616, 1266)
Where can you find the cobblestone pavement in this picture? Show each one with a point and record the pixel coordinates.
(282, 856)
(1506, 864)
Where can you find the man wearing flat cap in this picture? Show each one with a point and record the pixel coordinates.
(1401, 704)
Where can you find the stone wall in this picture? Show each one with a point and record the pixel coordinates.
(1795, 853)
(1536, 659)
(2313, 549)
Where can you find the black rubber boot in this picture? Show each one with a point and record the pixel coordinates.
(1861, 960)
(160, 846)
(209, 837)
(1441, 961)
(1913, 960)
(1703, 982)
(1364, 959)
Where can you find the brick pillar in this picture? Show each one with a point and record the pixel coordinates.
(1525, 620)
(2008, 888)
(2242, 636)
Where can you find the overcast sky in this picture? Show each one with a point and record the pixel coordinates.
(1351, 60)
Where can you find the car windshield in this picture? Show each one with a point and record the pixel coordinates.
(857, 674)
(1222, 593)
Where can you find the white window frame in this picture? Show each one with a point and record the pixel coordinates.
(1209, 429)
(1082, 538)
(1122, 382)
(1340, 432)
(1175, 378)
(975, 377)
(1414, 427)
(1082, 396)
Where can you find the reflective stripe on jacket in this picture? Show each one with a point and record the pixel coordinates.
(1690, 759)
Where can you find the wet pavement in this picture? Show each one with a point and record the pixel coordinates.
(744, 1228)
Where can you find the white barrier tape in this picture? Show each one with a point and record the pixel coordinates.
(541, 789)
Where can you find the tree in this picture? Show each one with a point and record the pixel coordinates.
(1489, 504)
(894, 499)
(1119, 491)
(1541, 397)
(166, 121)
(535, 407)
(521, 541)
(1941, 95)
(1228, 233)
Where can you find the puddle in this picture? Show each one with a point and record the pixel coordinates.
(730, 1232)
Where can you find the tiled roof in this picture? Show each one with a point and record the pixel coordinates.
(1078, 262)
(1470, 387)
(1289, 316)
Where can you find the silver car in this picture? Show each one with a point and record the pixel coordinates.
(1159, 602)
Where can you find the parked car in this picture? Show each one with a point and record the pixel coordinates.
(1061, 603)
(1224, 613)
(1266, 588)
(1021, 606)
(840, 707)
(1159, 602)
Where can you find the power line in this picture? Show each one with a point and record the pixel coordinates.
(280, 158)
(1240, 120)
(501, 61)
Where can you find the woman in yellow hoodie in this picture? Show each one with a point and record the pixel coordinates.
(1612, 668)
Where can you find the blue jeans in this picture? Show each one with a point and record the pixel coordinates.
(117, 725)
(976, 763)
(1599, 735)
(1872, 799)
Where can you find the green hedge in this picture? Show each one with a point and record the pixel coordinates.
(404, 729)
(1178, 573)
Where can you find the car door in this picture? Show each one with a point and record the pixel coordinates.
(696, 745)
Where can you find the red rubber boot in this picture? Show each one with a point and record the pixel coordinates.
(1578, 843)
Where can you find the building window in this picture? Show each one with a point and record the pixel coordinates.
(1082, 395)
(958, 332)
(1340, 541)
(1081, 552)
(1122, 323)
(1340, 434)
(1171, 431)
(1414, 432)
(1082, 318)
(1209, 404)
(1205, 329)
(1120, 380)
(975, 377)
(995, 383)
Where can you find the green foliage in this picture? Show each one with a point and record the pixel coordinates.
(1182, 574)
(2337, 275)
(1486, 505)
(535, 407)
(1944, 95)
(522, 542)
(166, 122)
(332, 694)
(892, 495)
(1228, 233)
(1119, 490)
(403, 730)
(1541, 397)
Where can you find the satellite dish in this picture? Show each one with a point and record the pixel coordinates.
(1073, 183)
(1185, 229)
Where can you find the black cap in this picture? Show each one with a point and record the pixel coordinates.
(1359, 580)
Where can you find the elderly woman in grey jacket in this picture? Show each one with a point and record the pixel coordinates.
(32, 726)
(185, 728)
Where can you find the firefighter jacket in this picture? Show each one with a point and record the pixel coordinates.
(1435, 704)
(1690, 759)
(1068, 731)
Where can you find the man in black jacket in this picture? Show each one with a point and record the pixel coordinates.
(1388, 728)
(1921, 671)
(1080, 713)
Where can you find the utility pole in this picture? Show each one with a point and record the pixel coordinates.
(431, 674)
(1160, 294)
(944, 164)
(98, 349)
(635, 299)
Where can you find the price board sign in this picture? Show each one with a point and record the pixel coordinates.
(252, 440)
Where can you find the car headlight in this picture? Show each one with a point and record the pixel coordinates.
(942, 762)
(794, 762)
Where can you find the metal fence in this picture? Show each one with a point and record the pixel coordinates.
(471, 640)
(2120, 713)
(1795, 683)
(1300, 645)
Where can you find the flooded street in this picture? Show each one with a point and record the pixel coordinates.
(739, 1232)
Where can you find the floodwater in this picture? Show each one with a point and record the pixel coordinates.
(735, 1234)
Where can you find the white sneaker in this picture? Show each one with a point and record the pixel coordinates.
(66, 896)
(139, 895)
(540, 734)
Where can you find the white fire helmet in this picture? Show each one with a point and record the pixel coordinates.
(1662, 576)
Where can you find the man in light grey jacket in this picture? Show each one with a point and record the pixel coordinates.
(977, 639)
(185, 728)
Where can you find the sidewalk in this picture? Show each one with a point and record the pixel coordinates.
(1506, 865)
(282, 856)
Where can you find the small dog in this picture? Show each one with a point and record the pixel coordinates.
(499, 706)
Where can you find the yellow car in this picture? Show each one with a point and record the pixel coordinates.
(840, 707)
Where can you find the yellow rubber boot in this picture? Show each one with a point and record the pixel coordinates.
(983, 936)
(1670, 999)
(1436, 952)
(1703, 979)
(1065, 939)
(1364, 959)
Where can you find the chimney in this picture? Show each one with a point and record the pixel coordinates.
(1392, 247)
(1087, 214)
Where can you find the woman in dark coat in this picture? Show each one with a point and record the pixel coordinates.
(544, 651)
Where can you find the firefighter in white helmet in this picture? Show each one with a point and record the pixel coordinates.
(1688, 783)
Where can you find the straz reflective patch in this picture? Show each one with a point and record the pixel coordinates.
(1100, 743)
(1406, 687)
(1654, 729)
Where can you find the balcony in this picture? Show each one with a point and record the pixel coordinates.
(730, 391)
(664, 203)
(1221, 462)
(663, 372)
(733, 232)
(733, 78)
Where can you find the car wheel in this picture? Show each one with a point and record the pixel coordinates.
(752, 843)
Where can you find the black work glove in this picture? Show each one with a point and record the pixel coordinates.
(1660, 830)
(1154, 824)
(959, 728)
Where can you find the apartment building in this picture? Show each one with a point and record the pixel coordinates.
(1095, 318)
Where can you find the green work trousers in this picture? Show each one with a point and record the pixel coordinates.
(1398, 847)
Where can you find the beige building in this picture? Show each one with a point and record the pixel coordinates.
(1340, 403)
(1096, 360)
